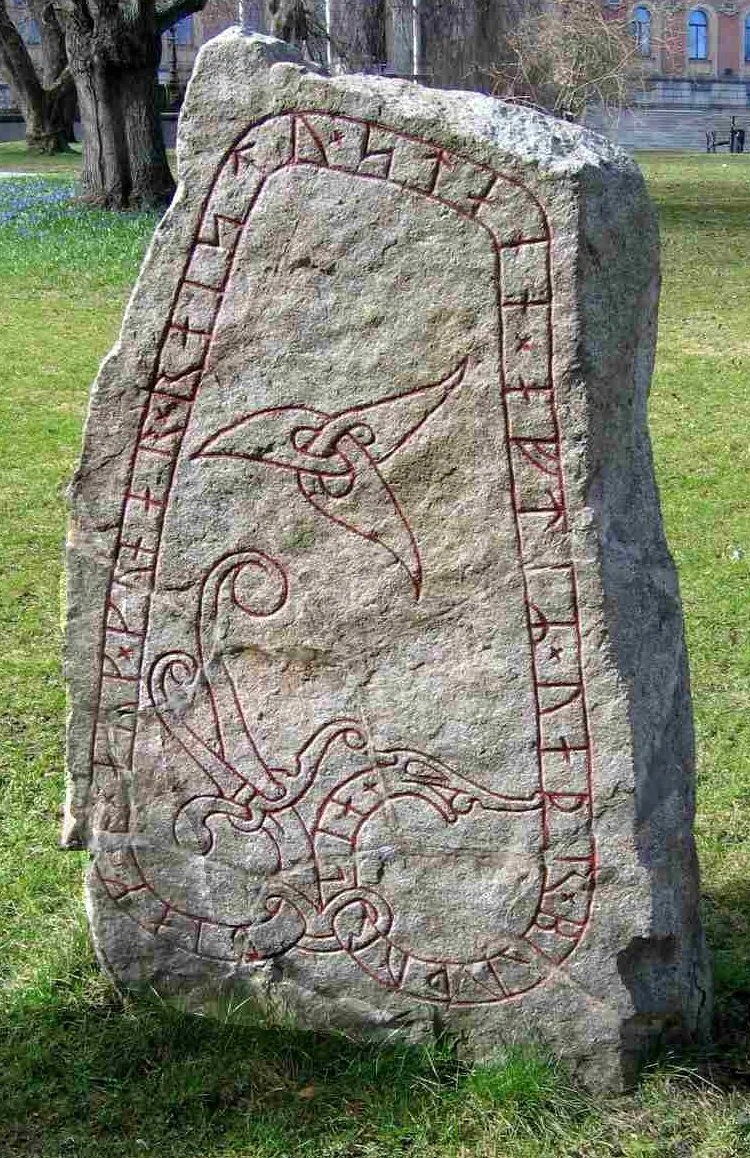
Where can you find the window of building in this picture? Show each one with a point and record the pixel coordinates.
(747, 39)
(698, 35)
(641, 27)
(31, 32)
(183, 30)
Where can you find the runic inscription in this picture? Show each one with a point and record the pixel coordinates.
(327, 846)
(379, 706)
(298, 849)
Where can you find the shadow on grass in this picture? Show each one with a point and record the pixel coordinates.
(706, 213)
(727, 925)
(85, 1074)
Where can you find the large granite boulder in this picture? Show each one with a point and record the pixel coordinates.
(379, 703)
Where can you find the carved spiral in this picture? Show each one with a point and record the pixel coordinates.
(173, 673)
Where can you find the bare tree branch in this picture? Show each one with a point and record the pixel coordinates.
(168, 12)
(570, 54)
(63, 85)
(16, 61)
(47, 102)
(52, 40)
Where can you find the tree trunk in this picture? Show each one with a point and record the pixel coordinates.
(55, 64)
(114, 67)
(463, 39)
(124, 159)
(105, 178)
(150, 177)
(357, 31)
(290, 19)
(43, 109)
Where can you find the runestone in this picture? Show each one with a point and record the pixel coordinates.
(380, 713)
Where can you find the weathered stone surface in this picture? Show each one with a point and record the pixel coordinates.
(379, 703)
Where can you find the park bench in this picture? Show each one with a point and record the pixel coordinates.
(735, 142)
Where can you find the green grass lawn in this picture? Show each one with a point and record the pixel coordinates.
(16, 158)
(81, 1074)
(700, 419)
